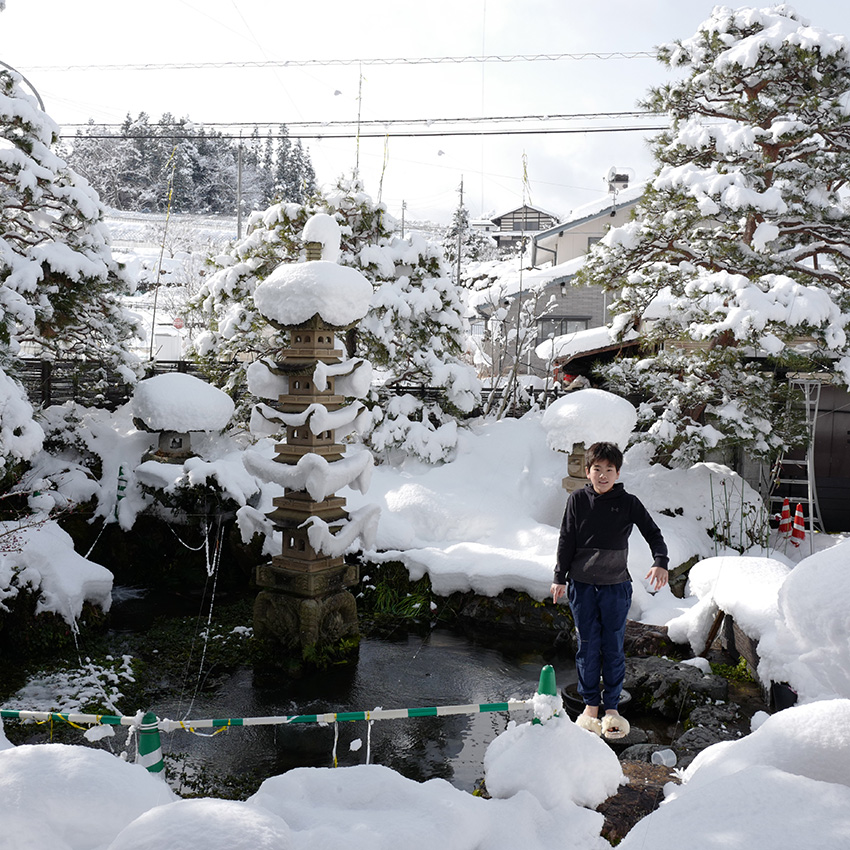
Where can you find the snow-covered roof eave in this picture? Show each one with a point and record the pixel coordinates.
(584, 343)
(594, 210)
(495, 218)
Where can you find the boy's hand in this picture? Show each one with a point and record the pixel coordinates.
(657, 577)
(557, 591)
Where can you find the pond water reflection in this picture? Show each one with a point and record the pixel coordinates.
(443, 667)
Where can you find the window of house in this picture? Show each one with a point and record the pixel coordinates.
(551, 326)
(591, 241)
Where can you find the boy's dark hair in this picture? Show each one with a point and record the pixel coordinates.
(603, 451)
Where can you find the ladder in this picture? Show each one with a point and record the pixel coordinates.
(801, 489)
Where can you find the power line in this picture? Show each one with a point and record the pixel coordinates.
(301, 63)
(389, 134)
(380, 122)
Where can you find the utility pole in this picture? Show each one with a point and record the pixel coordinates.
(239, 189)
(403, 208)
(459, 229)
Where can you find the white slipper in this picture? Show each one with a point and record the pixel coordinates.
(592, 724)
(615, 726)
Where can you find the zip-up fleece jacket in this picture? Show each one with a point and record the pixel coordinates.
(594, 543)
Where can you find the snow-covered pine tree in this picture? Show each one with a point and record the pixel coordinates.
(413, 332)
(294, 177)
(741, 244)
(59, 285)
(475, 246)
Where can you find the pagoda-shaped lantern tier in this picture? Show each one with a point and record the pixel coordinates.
(304, 598)
(311, 343)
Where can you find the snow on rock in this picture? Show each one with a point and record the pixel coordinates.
(741, 792)
(353, 377)
(588, 416)
(317, 417)
(263, 382)
(799, 616)
(73, 796)
(337, 539)
(208, 823)
(180, 402)
(47, 562)
(745, 587)
(810, 645)
(295, 292)
(313, 473)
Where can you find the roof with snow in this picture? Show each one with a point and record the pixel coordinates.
(595, 209)
(590, 341)
(496, 218)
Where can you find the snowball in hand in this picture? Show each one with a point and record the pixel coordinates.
(295, 292)
(180, 402)
(588, 416)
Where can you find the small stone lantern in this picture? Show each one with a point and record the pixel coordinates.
(174, 405)
(582, 418)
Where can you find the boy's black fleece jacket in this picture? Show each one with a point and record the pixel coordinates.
(594, 542)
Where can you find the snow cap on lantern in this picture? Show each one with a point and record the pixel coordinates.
(295, 292)
(324, 229)
(180, 402)
(588, 416)
(175, 404)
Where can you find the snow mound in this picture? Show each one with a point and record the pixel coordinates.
(51, 791)
(588, 416)
(208, 823)
(796, 761)
(180, 402)
(295, 292)
(522, 759)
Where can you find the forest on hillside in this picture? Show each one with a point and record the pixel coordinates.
(145, 166)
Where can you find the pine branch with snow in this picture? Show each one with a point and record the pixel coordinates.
(740, 248)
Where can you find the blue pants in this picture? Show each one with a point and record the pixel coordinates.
(600, 612)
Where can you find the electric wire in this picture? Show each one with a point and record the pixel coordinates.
(330, 62)
(440, 134)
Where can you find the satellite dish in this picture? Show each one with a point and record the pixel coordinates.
(619, 178)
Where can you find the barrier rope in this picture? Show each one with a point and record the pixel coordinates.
(222, 723)
(148, 725)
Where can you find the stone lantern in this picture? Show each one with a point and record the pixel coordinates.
(582, 418)
(304, 600)
(174, 405)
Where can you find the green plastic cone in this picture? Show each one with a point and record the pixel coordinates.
(149, 754)
(547, 682)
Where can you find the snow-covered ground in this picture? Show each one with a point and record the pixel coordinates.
(486, 522)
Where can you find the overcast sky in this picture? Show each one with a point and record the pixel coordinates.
(43, 39)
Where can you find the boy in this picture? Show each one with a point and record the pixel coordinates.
(592, 553)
